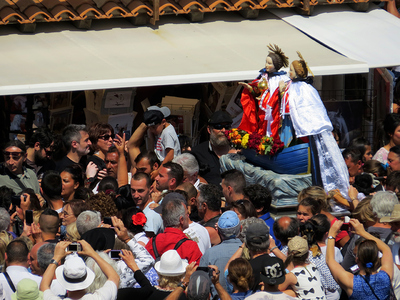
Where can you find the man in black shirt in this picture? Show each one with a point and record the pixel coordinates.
(209, 152)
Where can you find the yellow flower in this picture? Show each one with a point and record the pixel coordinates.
(245, 140)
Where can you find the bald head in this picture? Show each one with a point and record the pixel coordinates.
(33, 259)
(286, 228)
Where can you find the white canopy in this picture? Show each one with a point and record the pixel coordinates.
(371, 37)
(115, 54)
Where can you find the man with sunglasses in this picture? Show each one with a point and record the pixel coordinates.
(13, 174)
(209, 152)
(40, 151)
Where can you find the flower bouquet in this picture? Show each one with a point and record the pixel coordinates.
(263, 145)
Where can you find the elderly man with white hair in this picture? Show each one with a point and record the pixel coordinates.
(190, 169)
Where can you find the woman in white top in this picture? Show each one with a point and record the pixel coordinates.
(391, 126)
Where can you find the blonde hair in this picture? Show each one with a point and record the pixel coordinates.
(317, 193)
(5, 239)
(169, 281)
(72, 232)
(363, 212)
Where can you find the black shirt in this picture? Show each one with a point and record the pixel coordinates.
(207, 157)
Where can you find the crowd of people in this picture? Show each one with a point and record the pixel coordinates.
(111, 220)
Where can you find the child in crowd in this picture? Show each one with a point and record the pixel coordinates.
(166, 140)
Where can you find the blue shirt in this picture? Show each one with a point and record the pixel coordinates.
(270, 222)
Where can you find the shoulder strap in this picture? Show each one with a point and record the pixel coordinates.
(388, 237)
(370, 287)
(10, 283)
(3, 171)
(178, 244)
(155, 248)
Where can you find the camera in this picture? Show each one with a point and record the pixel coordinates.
(207, 270)
(107, 220)
(114, 254)
(74, 247)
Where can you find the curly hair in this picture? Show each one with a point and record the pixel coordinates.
(104, 204)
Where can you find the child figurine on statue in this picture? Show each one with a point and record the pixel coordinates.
(260, 98)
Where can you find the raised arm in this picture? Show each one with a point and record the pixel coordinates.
(342, 277)
(107, 269)
(387, 258)
(59, 254)
(122, 175)
(135, 141)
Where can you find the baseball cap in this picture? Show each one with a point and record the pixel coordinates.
(273, 271)
(229, 224)
(257, 232)
(199, 286)
(152, 117)
(298, 244)
(220, 117)
(164, 109)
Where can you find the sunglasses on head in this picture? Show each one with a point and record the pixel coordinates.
(14, 155)
(220, 126)
(106, 137)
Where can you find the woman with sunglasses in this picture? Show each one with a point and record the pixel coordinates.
(101, 135)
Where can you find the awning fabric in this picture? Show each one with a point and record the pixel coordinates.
(371, 37)
(224, 47)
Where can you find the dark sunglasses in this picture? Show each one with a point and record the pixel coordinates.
(106, 137)
(239, 202)
(220, 126)
(14, 155)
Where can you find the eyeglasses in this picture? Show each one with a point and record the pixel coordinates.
(239, 202)
(220, 126)
(106, 137)
(14, 155)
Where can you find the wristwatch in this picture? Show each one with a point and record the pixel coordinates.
(53, 261)
(183, 285)
(331, 237)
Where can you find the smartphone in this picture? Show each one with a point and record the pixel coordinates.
(107, 220)
(114, 254)
(28, 217)
(74, 247)
(16, 201)
(354, 269)
(127, 135)
(208, 270)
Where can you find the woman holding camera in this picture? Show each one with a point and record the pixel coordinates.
(369, 284)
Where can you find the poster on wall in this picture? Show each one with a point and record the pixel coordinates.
(122, 122)
(60, 118)
(60, 100)
(118, 101)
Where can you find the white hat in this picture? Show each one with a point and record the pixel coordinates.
(165, 110)
(171, 264)
(73, 275)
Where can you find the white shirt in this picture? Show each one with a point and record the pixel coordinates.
(16, 273)
(269, 296)
(200, 235)
(154, 221)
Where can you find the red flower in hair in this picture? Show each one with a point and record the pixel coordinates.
(139, 219)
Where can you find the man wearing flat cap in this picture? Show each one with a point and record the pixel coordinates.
(209, 152)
